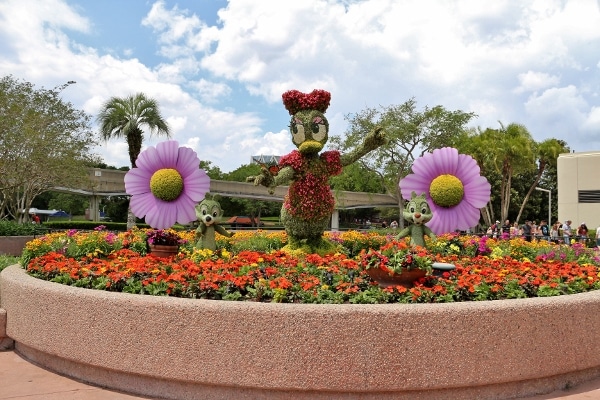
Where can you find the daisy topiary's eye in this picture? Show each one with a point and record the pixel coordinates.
(297, 130)
(319, 128)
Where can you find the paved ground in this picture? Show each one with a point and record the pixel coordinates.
(21, 380)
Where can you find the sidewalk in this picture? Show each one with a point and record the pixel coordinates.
(22, 380)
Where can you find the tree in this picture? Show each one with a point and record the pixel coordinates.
(410, 134)
(547, 155)
(125, 118)
(253, 208)
(72, 203)
(211, 170)
(507, 154)
(44, 142)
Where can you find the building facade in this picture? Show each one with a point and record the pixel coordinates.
(579, 188)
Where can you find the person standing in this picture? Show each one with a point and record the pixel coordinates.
(35, 219)
(544, 230)
(598, 237)
(514, 230)
(567, 232)
(496, 230)
(506, 230)
(554, 232)
(582, 233)
(527, 231)
(535, 232)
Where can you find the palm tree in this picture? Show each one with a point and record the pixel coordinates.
(125, 117)
(547, 155)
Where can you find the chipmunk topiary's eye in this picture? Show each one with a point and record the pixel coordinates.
(319, 128)
(297, 130)
(215, 212)
(424, 209)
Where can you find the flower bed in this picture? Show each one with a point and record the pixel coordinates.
(171, 347)
(250, 267)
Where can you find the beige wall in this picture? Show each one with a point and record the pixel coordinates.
(578, 171)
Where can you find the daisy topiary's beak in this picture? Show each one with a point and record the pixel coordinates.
(310, 146)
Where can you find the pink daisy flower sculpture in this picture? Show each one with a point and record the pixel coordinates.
(453, 186)
(166, 185)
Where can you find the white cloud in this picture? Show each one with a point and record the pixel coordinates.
(533, 81)
(220, 85)
(592, 122)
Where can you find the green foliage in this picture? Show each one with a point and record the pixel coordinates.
(44, 142)
(13, 228)
(71, 203)
(357, 178)
(514, 164)
(126, 117)
(6, 261)
(409, 132)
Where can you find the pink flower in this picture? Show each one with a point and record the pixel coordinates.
(463, 169)
(166, 161)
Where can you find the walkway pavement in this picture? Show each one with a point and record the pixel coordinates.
(22, 380)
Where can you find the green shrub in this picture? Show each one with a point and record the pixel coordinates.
(6, 261)
(12, 228)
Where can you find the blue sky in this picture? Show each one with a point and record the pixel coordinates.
(218, 68)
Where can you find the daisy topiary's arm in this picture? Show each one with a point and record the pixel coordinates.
(283, 177)
(374, 139)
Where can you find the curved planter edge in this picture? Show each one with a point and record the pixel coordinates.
(171, 347)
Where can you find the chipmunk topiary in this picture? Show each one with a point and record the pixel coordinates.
(209, 214)
(417, 212)
(309, 203)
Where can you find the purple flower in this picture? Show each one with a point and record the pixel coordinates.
(454, 189)
(166, 185)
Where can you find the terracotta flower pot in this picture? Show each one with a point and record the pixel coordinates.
(407, 278)
(159, 250)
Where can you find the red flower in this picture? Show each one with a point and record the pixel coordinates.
(295, 101)
(309, 196)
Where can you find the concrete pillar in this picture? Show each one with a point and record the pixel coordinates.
(335, 220)
(95, 208)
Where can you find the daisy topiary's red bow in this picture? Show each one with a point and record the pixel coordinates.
(295, 101)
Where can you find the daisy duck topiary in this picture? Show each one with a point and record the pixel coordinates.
(309, 203)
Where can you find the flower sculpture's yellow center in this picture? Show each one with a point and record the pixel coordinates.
(446, 190)
(166, 184)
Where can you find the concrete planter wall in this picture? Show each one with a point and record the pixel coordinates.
(13, 245)
(204, 349)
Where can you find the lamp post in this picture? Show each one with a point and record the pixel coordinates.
(549, 203)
